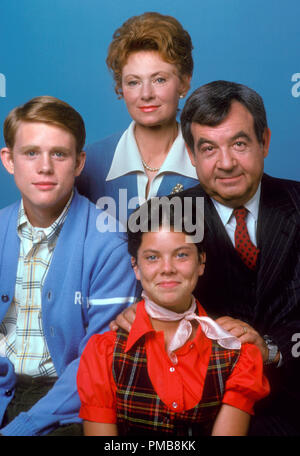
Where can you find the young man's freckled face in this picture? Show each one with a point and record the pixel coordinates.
(44, 163)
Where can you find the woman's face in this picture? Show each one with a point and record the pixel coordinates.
(151, 88)
(168, 267)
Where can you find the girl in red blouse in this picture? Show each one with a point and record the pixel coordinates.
(177, 372)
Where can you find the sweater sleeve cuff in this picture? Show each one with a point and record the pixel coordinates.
(99, 415)
(22, 425)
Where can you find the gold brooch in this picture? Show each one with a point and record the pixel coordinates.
(178, 188)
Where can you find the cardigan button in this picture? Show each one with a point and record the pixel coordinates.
(8, 393)
(5, 298)
(174, 405)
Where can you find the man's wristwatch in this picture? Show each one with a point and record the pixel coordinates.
(273, 349)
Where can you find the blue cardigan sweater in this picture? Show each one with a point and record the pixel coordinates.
(81, 295)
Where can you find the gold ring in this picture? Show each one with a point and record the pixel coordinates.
(244, 329)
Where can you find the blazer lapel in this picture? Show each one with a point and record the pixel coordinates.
(276, 233)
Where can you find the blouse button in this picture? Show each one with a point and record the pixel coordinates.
(174, 405)
(172, 369)
(5, 298)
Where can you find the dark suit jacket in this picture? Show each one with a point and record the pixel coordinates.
(268, 299)
(272, 300)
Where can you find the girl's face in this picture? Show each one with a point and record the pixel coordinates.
(151, 88)
(168, 267)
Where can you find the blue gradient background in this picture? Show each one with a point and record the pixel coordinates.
(58, 47)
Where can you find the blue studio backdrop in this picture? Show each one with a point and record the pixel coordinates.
(58, 47)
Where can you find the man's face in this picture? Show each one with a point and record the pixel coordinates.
(228, 158)
(44, 164)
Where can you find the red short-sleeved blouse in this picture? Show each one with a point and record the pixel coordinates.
(181, 383)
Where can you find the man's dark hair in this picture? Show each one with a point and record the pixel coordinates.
(210, 105)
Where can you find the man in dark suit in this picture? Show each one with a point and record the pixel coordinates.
(251, 283)
(225, 128)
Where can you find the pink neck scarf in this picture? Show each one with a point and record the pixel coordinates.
(210, 328)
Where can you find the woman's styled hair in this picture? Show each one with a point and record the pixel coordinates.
(150, 32)
(160, 212)
(48, 110)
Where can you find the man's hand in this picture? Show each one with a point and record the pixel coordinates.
(124, 320)
(245, 333)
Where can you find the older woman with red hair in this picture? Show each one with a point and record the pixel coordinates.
(150, 57)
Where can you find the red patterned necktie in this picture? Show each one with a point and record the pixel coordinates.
(243, 245)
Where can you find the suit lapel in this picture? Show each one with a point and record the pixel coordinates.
(276, 233)
(278, 225)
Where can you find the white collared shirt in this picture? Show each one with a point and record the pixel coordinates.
(177, 161)
(229, 221)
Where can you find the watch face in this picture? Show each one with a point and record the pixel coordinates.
(268, 340)
(273, 349)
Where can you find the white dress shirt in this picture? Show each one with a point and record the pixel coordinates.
(229, 220)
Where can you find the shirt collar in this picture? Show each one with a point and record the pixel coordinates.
(177, 160)
(47, 235)
(142, 324)
(252, 206)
